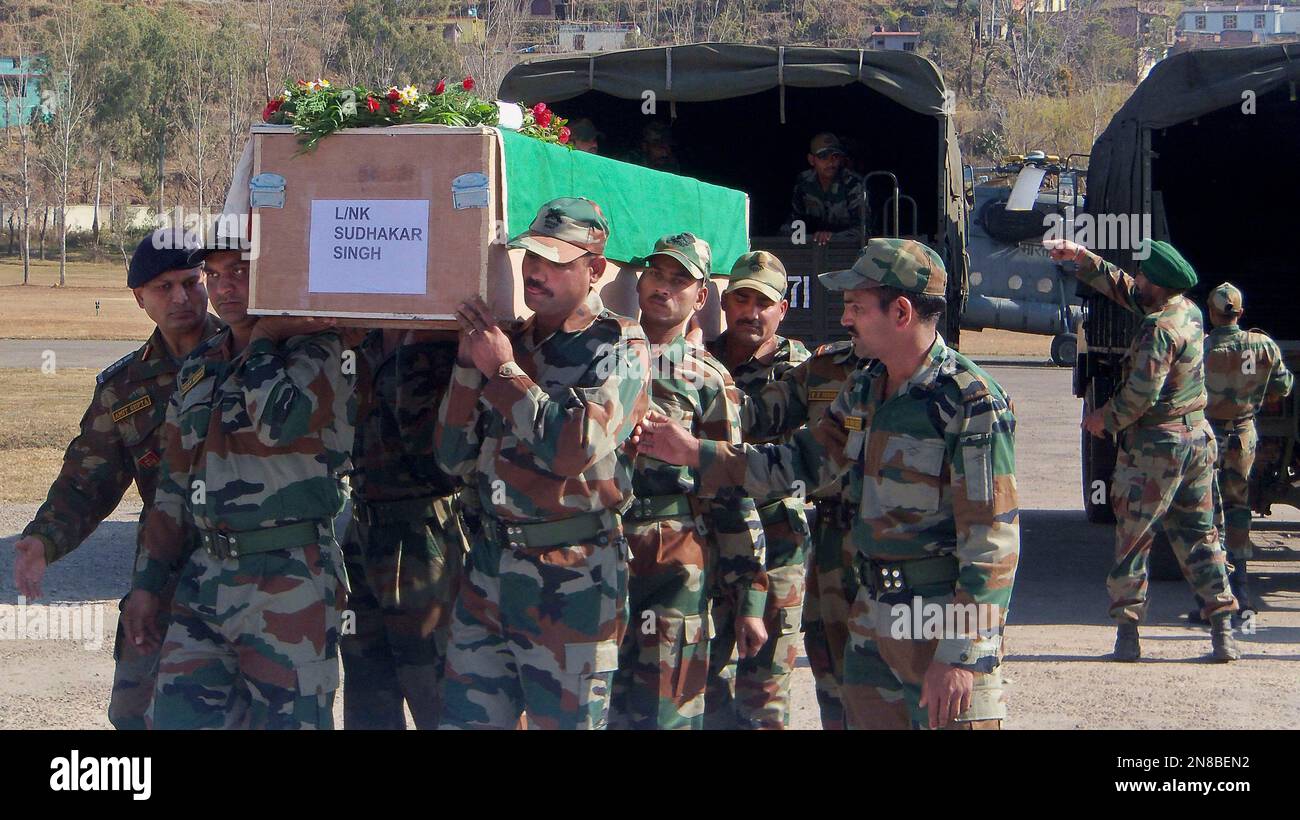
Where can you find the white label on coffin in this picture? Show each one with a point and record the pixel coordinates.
(368, 246)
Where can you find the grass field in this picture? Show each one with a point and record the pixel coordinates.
(42, 310)
(39, 415)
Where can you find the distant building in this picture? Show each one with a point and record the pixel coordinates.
(593, 36)
(1240, 24)
(21, 95)
(894, 40)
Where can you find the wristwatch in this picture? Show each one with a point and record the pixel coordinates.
(510, 370)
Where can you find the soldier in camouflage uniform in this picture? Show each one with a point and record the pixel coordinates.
(119, 443)
(257, 433)
(799, 398)
(404, 548)
(1243, 369)
(535, 422)
(1164, 473)
(679, 540)
(828, 198)
(927, 442)
(754, 304)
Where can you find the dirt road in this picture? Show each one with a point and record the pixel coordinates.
(1058, 634)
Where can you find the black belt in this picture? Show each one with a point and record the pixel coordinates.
(898, 581)
(576, 529)
(372, 513)
(222, 545)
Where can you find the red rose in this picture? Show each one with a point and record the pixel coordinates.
(394, 95)
(543, 119)
(467, 84)
(372, 104)
(272, 106)
(392, 108)
(539, 110)
(440, 87)
(564, 136)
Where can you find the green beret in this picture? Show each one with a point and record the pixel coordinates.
(1167, 268)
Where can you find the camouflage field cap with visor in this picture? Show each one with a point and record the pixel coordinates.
(694, 253)
(760, 271)
(565, 229)
(825, 144)
(905, 264)
(1225, 300)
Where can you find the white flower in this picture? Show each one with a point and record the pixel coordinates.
(409, 95)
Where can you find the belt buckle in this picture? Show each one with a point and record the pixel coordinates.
(888, 582)
(220, 545)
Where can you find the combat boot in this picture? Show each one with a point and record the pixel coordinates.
(1222, 641)
(1127, 647)
(1239, 580)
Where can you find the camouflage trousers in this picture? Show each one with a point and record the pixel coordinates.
(1236, 442)
(663, 662)
(831, 587)
(135, 672)
(253, 642)
(754, 692)
(883, 674)
(403, 573)
(1166, 477)
(536, 630)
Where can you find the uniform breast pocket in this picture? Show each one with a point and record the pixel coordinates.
(138, 429)
(910, 475)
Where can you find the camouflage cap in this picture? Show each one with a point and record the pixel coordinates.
(760, 271)
(694, 253)
(565, 229)
(1225, 299)
(898, 263)
(824, 144)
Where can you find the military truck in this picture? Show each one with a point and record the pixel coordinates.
(743, 115)
(1014, 284)
(1207, 149)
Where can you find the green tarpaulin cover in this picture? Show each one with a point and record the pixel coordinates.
(641, 204)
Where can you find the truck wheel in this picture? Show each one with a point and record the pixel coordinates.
(1098, 464)
(1162, 565)
(1065, 348)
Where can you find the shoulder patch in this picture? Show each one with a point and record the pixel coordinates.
(972, 387)
(110, 371)
(193, 379)
(628, 328)
(833, 348)
(128, 408)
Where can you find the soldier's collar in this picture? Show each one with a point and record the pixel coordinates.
(938, 361)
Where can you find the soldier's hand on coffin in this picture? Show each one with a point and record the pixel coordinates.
(751, 634)
(946, 692)
(29, 566)
(1094, 423)
(140, 620)
(666, 440)
(279, 328)
(485, 344)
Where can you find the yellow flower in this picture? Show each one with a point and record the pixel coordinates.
(317, 85)
(409, 95)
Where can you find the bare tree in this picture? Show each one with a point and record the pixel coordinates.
(70, 105)
(489, 60)
(18, 120)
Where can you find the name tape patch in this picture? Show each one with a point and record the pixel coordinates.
(132, 407)
(193, 379)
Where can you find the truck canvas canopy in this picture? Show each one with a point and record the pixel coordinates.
(742, 117)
